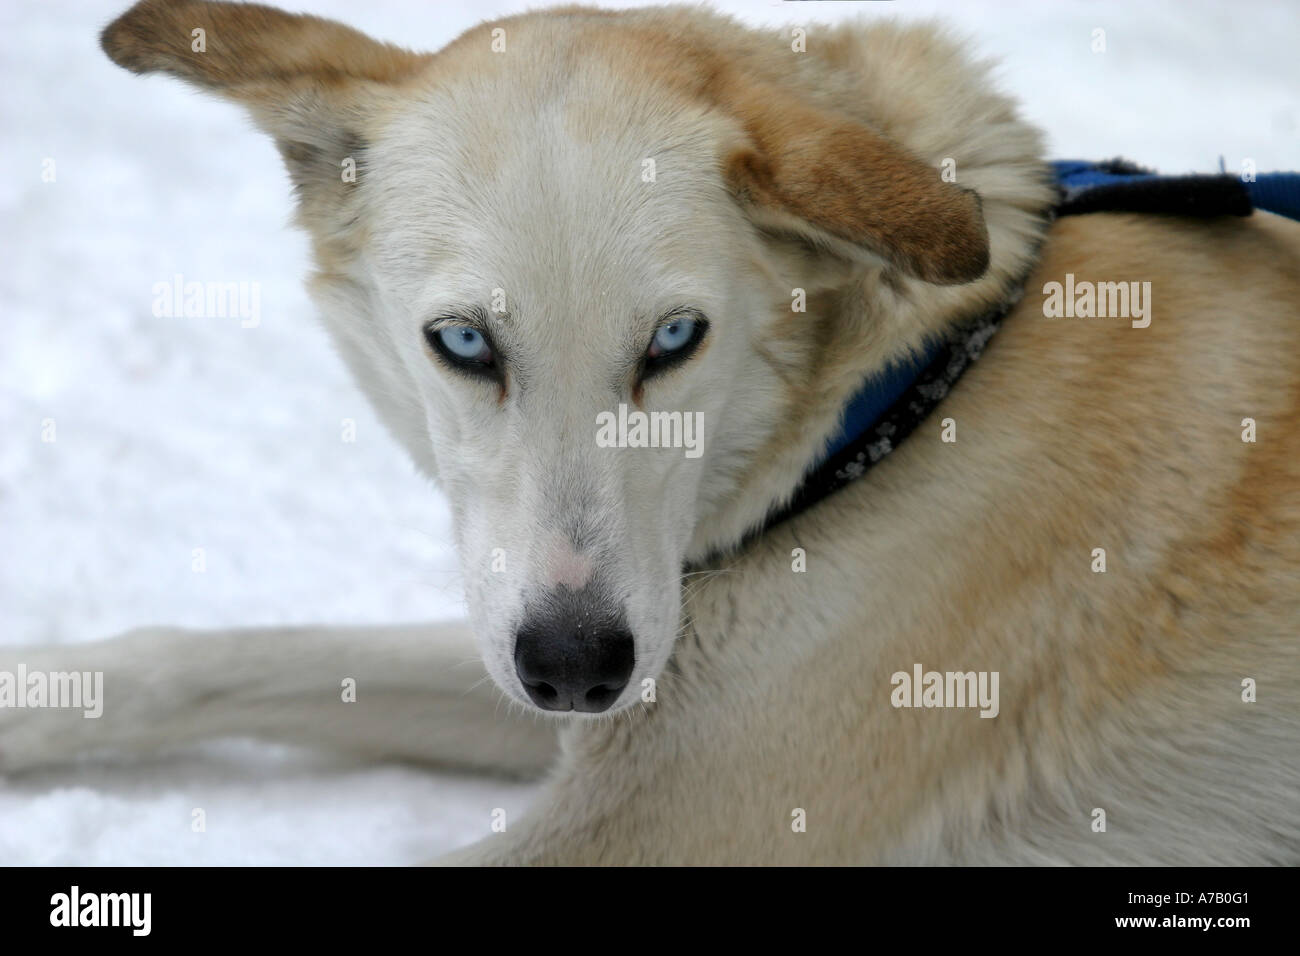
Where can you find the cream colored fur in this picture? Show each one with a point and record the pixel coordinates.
(521, 170)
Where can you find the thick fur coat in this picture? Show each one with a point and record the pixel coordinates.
(519, 166)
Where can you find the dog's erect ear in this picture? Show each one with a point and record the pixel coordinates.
(306, 81)
(843, 185)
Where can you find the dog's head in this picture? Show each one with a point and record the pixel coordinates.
(583, 264)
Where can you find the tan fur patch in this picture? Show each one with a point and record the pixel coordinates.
(249, 44)
(803, 162)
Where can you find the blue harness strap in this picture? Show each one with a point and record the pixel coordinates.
(1277, 193)
(1117, 185)
(891, 403)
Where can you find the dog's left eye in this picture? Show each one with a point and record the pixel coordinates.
(675, 340)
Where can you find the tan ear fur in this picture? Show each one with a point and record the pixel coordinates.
(249, 48)
(306, 81)
(803, 168)
(838, 181)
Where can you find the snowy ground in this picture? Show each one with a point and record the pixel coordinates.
(176, 434)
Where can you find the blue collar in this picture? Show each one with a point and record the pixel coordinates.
(893, 402)
(890, 405)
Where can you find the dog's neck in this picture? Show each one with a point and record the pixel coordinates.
(889, 406)
(883, 321)
(892, 401)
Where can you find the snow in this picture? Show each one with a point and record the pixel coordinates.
(175, 434)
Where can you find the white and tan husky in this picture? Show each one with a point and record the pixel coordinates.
(576, 212)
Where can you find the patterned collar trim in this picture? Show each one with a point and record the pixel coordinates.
(890, 406)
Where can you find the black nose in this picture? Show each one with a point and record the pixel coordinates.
(571, 658)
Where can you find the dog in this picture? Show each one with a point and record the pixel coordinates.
(570, 218)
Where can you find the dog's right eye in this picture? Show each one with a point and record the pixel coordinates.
(464, 347)
(464, 343)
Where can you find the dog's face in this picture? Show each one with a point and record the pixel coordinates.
(570, 300)
(545, 277)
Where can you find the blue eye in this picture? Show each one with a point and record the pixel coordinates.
(675, 341)
(464, 342)
(673, 336)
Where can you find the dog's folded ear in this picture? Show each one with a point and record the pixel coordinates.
(846, 187)
(306, 81)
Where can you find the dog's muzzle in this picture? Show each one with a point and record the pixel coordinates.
(573, 651)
